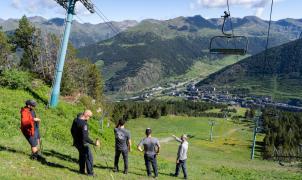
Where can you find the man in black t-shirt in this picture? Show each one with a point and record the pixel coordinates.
(81, 141)
(122, 145)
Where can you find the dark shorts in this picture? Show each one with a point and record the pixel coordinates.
(32, 140)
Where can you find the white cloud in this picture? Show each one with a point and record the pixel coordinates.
(257, 5)
(34, 7)
(259, 11)
(223, 3)
(16, 4)
(81, 9)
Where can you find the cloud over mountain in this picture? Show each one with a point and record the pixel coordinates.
(39, 6)
(257, 5)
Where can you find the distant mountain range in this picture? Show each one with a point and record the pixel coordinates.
(151, 52)
(276, 73)
(81, 34)
(154, 50)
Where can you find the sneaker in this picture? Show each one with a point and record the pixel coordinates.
(115, 170)
(173, 175)
(33, 156)
(40, 158)
(125, 172)
(91, 175)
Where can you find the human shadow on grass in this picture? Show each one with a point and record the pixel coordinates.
(144, 172)
(9, 149)
(43, 161)
(68, 158)
(166, 174)
(60, 156)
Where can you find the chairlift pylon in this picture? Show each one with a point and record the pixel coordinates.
(228, 44)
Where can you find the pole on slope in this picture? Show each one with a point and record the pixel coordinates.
(256, 120)
(211, 123)
(69, 5)
(59, 71)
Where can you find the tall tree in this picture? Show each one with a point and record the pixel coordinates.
(95, 84)
(5, 50)
(26, 38)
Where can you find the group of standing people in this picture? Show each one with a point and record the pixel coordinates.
(149, 145)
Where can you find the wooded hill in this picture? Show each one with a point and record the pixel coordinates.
(277, 72)
(154, 50)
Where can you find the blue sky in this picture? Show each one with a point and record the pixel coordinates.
(157, 9)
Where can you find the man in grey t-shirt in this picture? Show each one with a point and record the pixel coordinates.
(151, 149)
(122, 145)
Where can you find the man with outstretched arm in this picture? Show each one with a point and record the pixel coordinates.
(30, 128)
(122, 145)
(181, 160)
(151, 150)
(81, 141)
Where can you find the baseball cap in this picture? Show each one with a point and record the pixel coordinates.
(31, 103)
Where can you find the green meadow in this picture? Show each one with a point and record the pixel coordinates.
(226, 157)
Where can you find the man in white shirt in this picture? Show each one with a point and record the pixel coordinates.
(182, 155)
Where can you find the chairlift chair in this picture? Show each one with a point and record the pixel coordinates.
(228, 44)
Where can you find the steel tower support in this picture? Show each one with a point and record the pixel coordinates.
(69, 5)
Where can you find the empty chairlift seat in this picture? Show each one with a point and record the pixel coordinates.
(228, 45)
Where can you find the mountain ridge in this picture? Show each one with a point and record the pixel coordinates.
(81, 34)
(174, 45)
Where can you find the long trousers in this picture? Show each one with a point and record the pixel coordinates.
(182, 164)
(85, 158)
(117, 157)
(151, 159)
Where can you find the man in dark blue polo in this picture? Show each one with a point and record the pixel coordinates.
(81, 141)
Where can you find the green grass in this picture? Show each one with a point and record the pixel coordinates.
(227, 157)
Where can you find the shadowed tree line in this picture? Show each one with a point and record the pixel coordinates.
(283, 139)
(156, 109)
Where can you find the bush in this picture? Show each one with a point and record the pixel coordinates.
(15, 79)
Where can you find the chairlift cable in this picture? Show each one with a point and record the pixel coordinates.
(109, 22)
(231, 23)
(80, 20)
(230, 17)
(268, 34)
(105, 19)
